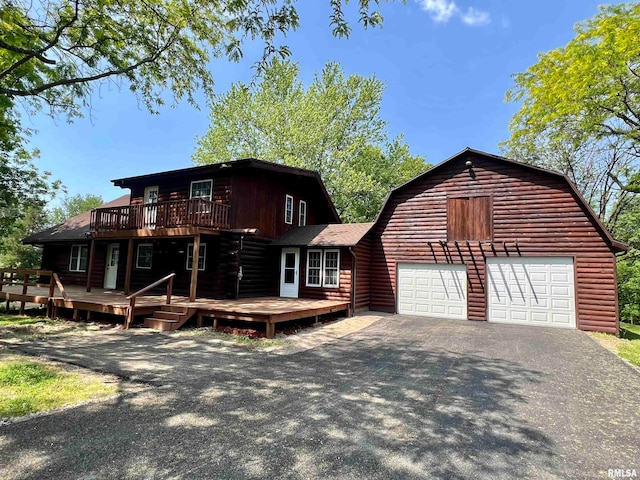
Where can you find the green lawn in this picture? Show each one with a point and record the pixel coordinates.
(28, 386)
(630, 350)
(8, 320)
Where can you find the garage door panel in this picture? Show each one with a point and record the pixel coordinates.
(539, 291)
(434, 290)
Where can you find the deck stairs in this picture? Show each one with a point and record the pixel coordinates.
(170, 317)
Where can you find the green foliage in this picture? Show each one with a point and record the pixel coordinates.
(12, 252)
(332, 126)
(590, 87)
(75, 205)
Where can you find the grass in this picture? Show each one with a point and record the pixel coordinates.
(10, 320)
(627, 346)
(29, 386)
(630, 350)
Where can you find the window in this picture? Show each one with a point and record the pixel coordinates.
(288, 209)
(331, 268)
(144, 255)
(202, 254)
(314, 268)
(78, 260)
(202, 189)
(302, 214)
(469, 218)
(323, 268)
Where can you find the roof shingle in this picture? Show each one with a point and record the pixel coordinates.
(328, 235)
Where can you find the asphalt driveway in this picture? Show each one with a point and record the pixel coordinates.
(403, 398)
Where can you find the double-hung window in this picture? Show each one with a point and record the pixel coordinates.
(79, 256)
(302, 214)
(288, 209)
(202, 255)
(323, 268)
(144, 255)
(202, 189)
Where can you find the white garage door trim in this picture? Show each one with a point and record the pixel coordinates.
(531, 291)
(432, 290)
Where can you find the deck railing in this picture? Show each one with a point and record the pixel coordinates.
(26, 277)
(132, 298)
(195, 212)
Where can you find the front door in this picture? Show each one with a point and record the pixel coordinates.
(289, 272)
(111, 268)
(150, 207)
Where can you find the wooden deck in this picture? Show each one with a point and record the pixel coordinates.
(267, 310)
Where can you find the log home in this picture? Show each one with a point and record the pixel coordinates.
(211, 225)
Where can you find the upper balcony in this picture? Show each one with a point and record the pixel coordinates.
(195, 212)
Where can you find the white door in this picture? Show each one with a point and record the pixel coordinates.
(150, 207)
(432, 290)
(531, 291)
(111, 268)
(289, 272)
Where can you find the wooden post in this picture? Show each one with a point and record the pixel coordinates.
(169, 290)
(76, 315)
(194, 269)
(271, 330)
(90, 267)
(25, 285)
(1, 278)
(127, 275)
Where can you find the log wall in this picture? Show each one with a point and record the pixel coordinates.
(534, 214)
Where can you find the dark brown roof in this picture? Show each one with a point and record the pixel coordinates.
(328, 235)
(614, 244)
(75, 228)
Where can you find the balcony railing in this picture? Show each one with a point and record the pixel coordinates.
(195, 212)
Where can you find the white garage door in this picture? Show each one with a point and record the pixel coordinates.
(532, 291)
(432, 290)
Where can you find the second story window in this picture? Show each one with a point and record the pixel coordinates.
(302, 214)
(202, 189)
(288, 209)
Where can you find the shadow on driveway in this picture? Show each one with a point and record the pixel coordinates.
(432, 401)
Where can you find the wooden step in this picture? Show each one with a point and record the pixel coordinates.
(168, 315)
(161, 324)
(175, 308)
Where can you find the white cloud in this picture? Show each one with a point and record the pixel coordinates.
(441, 11)
(474, 17)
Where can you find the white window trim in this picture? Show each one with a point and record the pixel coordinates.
(302, 214)
(324, 264)
(203, 246)
(201, 181)
(138, 255)
(288, 219)
(319, 284)
(76, 268)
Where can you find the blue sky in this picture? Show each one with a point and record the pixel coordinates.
(446, 65)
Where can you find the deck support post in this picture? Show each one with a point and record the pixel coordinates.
(92, 249)
(127, 274)
(271, 330)
(76, 315)
(194, 268)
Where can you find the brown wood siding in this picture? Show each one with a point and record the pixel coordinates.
(179, 189)
(343, 292)
(257, 271)
(258, 201)
(55, 257)
(362, 274)
(469, 218)
(534, 214)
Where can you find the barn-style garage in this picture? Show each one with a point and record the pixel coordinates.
(486, 238)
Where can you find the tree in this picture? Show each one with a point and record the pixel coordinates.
(332, 126)
(75, 205)
(12, 252)
(54, 52)
(590, 87)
